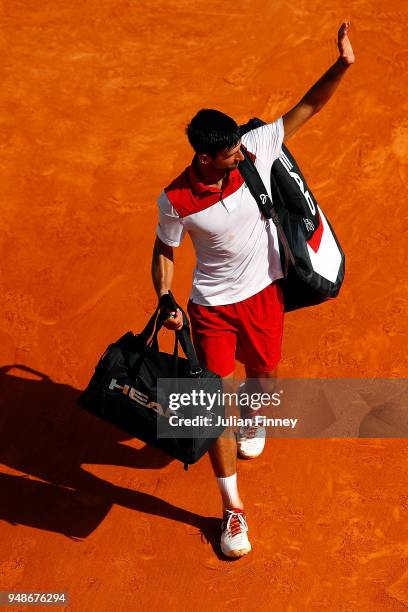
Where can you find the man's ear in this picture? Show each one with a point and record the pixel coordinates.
(203, 158)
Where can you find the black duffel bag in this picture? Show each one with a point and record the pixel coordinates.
(124, 391)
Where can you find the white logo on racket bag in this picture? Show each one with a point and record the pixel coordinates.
(309, 225)
(288, 167)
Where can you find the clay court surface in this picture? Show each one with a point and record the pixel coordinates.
(95, 96)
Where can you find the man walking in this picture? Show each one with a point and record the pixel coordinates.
(236, 304)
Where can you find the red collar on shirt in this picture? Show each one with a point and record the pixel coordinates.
(199, 188)
(188, 195)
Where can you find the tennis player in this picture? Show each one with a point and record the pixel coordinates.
(235, 305)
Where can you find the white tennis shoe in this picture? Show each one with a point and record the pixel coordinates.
(234, 539)
(250, 440)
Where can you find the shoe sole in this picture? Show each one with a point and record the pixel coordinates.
(240, 552)
(242, 455)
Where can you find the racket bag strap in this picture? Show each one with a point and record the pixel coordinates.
(258, 190)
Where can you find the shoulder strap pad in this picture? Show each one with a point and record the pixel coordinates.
(251, 125)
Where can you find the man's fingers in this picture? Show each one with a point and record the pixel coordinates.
(179, 319)
(173, 314)
(177, 316)
(174, 320)
(344, 28)
(172, 324)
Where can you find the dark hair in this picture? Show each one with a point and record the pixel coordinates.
(211, 131)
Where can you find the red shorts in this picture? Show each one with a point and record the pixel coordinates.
(249, 331)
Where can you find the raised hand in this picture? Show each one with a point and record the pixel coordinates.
(346, 50)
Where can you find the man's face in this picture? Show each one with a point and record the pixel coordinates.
(227, 159)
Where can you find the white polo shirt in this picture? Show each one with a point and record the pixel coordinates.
(237, 249)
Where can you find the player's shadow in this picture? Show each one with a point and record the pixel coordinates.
(45, 435)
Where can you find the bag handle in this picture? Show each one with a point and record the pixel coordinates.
(259, 192)
(187, 345)
(182, 336)
(149, 328)
(156, 319)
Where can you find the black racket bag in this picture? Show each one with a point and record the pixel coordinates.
(313, 261)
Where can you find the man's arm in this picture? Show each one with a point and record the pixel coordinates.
(162, 267)
(325, 87)
(162, 276)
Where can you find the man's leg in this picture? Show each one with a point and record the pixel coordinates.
(251, 438)
(223, 456)
(259, 348)
(215, 341)
(260, 382)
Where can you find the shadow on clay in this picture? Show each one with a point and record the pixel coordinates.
(47, 436)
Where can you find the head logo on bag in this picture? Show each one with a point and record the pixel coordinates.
(138, 397)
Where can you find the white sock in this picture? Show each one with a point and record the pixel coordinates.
(229, 491)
